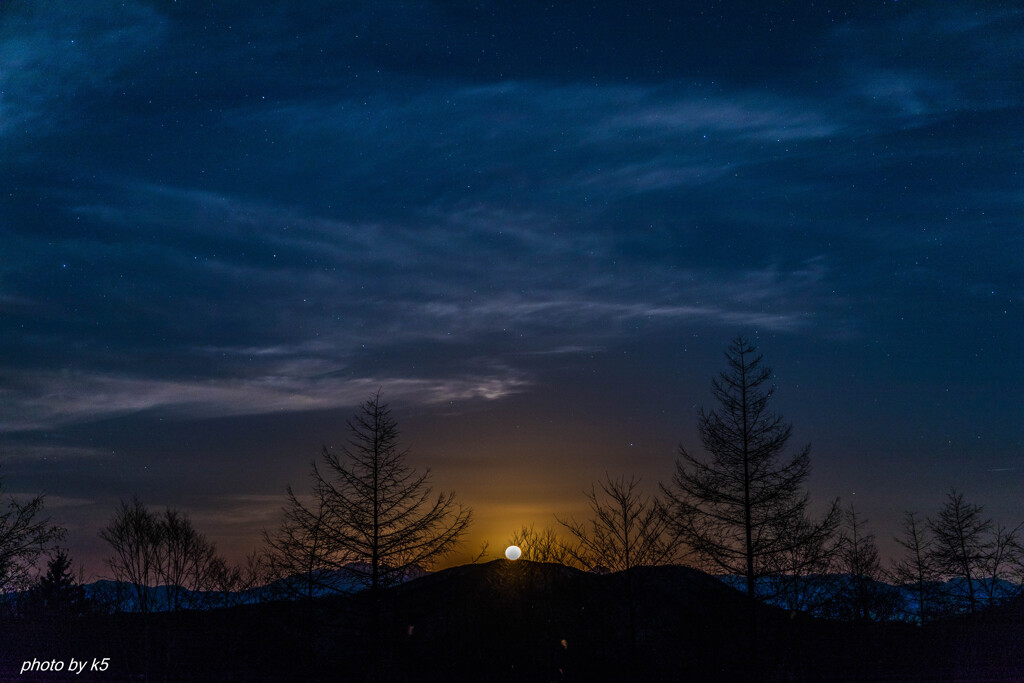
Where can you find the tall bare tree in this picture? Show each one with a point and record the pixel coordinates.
(862, 595)
(379, 517)
(163, 550)
(743, 507)
(914, 571)
(188, 562)
(799, 578)
(962, 549)
(298, 554)
(626, 529)
(1004, 571)
(133, 535)
(25, 535)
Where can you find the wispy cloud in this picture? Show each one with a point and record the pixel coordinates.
(61, 399)
(46, 452)
(568, 314)
(909, 98)
(52, 502)
(319, 317)
(238, 512)
(52, 54)
(747, 115)
(655, 175)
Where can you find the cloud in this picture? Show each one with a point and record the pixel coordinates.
(748, 115)
(565, 350)
(568, 314)
(655, 175)
(288, 310)
(931, 61)
(48, 452)
(225, 512)
(64, 502)
(61, 399)
(51, 502)
(907, 95)
(52, 54)
(262, 253)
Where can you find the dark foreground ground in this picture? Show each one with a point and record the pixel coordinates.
(519, 621)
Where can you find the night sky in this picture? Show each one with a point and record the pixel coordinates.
(533, 227)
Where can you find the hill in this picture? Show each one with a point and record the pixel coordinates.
(520, 621)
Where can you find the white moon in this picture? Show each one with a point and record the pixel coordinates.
(513, 552)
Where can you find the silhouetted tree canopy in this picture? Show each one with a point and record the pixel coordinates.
(299, 555)
(371, 513)
(862, 595)
(543, 545)
(625, 529)
(742, 508)
(25, 535)
(58, 593)
(972, 555)
(162, 549)
(915, 571)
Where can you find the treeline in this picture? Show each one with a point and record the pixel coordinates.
(738, 509)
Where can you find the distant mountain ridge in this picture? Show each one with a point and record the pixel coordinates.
(117, 596)
(820, 589)
(526, 621)
(819, 595)
(122, 596)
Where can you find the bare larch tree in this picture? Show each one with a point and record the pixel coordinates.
(862, 595)
(743, 507)
(915, 571)
(377, 517)
(964, 546)
(298, 555)
(626, 529)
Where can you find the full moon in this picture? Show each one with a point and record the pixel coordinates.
(513, 552)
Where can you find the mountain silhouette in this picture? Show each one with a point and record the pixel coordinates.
(522, 621)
